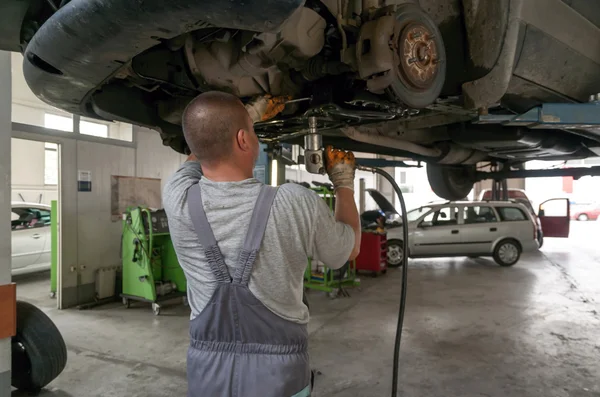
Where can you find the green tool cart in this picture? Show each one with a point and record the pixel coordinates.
(322, 278)
(151, 271)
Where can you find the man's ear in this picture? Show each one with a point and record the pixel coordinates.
(243, 141)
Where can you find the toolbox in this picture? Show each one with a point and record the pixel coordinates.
(373, 253)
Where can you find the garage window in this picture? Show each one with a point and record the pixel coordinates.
(511, 214)
(100, 129)
(93, 129)
(56, 122)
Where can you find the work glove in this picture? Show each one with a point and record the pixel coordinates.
(340, 166)
(265, 107)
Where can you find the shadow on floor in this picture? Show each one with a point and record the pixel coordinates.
(43, 393)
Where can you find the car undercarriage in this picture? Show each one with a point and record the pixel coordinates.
(431, 80)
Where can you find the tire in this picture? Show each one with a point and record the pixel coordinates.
(394, 246)
(450, 183)
(39, 350)
(507, 253)
(540, 239)
(583, 218)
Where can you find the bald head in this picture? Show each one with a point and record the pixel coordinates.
(210, 124)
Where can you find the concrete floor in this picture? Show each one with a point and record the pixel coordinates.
(472, 328)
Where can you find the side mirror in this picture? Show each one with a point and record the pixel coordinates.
(541, 212)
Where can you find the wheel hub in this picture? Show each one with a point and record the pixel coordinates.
(394, 254)
(418, 56)
(508, 253)
(20, 360)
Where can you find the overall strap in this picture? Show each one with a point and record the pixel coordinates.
(206, 236)
(254, 236)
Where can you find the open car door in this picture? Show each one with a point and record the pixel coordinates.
(555, 216)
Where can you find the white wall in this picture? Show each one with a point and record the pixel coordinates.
(153, 159)
(98, 236)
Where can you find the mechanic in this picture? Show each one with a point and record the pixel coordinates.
(248, 327)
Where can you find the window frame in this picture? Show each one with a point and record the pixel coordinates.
(438, 210)
(46, 150)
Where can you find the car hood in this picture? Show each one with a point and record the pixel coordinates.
(383, 203)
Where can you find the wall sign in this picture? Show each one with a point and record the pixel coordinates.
(84, 181)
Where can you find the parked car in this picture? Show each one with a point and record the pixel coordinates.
(519, 195)
(31, 241)
(440, 81)
(586, 213)
(501, 229)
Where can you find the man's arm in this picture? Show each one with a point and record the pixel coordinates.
(174, 191)
(341, 168)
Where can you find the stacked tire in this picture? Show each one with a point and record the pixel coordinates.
(39, 353)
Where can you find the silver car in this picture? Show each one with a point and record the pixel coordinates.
(499, 229)
(31, 241)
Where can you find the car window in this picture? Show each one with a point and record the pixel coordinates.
(526, 203)
(556, 208)
(415, 214)
(479, 214)
(509, 214)
(443, 217)
(26, 218)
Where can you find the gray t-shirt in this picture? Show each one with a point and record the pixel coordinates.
(300, 225)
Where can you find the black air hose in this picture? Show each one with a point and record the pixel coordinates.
(404, 273)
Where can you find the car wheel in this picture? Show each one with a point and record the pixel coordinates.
(507, 253)
(450, 183)
(395, 252)
(39, 353)
(583, 218)
(417, 79)
(540, 239)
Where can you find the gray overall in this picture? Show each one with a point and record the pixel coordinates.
(238, 347)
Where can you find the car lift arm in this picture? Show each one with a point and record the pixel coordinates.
(576, 173)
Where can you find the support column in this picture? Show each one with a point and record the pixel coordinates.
(7, 298)
(361, 195)
(384, 187)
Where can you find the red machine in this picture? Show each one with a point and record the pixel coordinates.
(373, 253)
